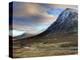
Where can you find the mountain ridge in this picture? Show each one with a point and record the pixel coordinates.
(67, 22)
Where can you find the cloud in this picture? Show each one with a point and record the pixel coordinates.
(35, 18)
(27, 9)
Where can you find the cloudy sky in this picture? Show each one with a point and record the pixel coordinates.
(34, 18)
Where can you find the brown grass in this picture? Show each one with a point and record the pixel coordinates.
(58, 45)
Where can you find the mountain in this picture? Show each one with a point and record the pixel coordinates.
(67, 22)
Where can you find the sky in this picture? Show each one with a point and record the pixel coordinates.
(34, 18)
